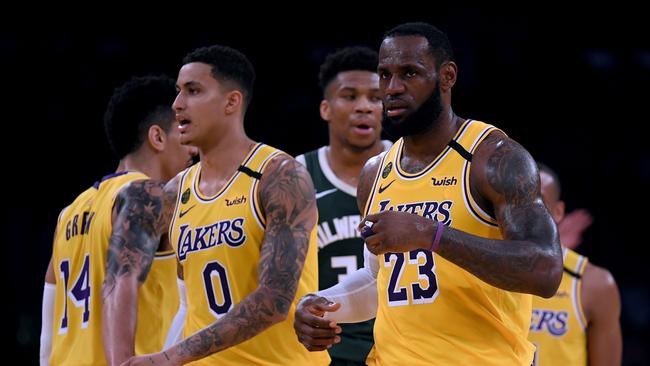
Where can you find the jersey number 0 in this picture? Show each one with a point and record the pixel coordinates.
(215, 269)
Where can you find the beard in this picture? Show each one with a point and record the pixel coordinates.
(420, 121)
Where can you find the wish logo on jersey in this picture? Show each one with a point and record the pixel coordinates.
(555, 322)
(230, 232)
(437, 211)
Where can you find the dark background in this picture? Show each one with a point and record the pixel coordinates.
(571, 88)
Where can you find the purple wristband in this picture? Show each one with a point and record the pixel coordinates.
(436, 241)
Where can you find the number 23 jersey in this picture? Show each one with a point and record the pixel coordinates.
(430, 310)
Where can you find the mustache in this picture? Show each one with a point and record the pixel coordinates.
(418, 121)
(389, 99)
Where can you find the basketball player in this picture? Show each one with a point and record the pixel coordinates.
(457, 233)
(351, 106)
(106, 257)
(244, 228)
(579, 325)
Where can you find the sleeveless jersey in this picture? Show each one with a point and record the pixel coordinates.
(218, 241)
(340, 247)
(80, 250)
(558, 325)
(432, 312)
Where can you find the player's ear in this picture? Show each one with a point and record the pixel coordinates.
(156, 137)
(325, 110)
(448, 73)
(234, 101)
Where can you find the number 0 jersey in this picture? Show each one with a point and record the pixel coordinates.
(79, 259)
(218, 241)
(432, 312)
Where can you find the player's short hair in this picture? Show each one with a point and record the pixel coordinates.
(134, 107)
(354, 58)
(439, 44)
(229, 66)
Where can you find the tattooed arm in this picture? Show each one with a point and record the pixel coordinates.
(503, 179)
(287, 196)
(141, 215)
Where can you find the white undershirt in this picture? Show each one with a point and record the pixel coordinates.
(357, 293)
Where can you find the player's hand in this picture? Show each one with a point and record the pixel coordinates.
(572, 226)
(313, 331)
(158, 359)
(394, 231)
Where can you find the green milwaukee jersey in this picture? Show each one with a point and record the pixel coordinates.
(340, 247)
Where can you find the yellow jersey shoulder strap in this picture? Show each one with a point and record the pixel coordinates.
(574, 263)
(574, 266)
(116, 181)
(469, 136)
(254, 166)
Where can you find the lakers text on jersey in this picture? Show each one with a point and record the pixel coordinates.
(557, 327)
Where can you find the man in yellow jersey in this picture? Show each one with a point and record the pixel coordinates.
(108, 275)
(244, 227)
(579, 325)
(457, 233)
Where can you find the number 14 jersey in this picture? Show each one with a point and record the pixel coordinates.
(80, 249)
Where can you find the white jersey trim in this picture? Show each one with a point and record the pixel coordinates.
(329, 174)
(576, 294)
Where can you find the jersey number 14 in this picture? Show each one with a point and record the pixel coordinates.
(79, 293)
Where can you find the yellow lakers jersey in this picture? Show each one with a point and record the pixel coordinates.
(80, 250)
(432, 312)
(158, 301)
(217, 241)
(558, 324)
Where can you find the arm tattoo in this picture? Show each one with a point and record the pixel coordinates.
(139, 221)
(290, 208)
(287, 196)
(170, 196)
(510, 173)
(529, 259)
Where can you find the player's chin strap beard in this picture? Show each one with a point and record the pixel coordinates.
(421, 120)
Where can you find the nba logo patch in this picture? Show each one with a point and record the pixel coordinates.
(387, 169)
(186, 196)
